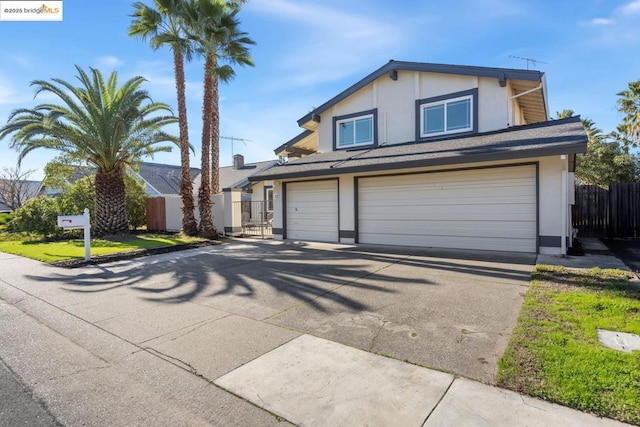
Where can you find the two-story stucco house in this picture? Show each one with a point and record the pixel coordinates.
(431, 155)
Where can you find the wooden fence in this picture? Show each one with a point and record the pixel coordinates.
(612, 213)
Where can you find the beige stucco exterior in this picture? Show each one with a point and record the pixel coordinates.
(499, 103)
(551, 172)
(395, 103)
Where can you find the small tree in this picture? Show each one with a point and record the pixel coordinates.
(16, 188)
(38, 216)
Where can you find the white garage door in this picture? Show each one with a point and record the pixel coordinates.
(491, 209)
(312, 211)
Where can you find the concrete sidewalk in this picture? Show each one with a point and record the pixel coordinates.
(100, 354)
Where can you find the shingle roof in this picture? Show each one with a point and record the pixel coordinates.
(28, 189)
(239, 178)
(566, 136)
(164, 178)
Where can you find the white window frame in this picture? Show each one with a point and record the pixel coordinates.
(268, 201)
(444, 103)
(354, 119)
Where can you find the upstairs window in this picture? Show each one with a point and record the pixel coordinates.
(447, 114)
(355, 130)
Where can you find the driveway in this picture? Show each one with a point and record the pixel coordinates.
(628, 250)
(449, 310)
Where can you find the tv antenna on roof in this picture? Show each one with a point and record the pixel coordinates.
(531, 61)
(233, 138)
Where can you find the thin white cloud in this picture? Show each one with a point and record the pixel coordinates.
(109, 62)
(11, 95)
(332, 43)
(632, 8)
(602, 21)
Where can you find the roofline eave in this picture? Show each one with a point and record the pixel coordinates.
(574, 148)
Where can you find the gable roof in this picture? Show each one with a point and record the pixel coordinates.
(566, 136)
(165, 179)
(28, 189)
(239, 178)
(392, 67)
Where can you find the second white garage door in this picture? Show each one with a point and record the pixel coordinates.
(487, 209)
(312, 210)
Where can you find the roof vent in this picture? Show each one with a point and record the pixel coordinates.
(238, 161)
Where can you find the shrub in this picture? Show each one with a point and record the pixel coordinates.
(38, 215)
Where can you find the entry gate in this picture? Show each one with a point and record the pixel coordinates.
(257, 220)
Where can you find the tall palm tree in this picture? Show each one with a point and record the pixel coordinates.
(164, 27)
(108, 126)
(214, 28)
(629, 104)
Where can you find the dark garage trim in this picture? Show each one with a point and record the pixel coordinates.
(551, 241)
(347, 234)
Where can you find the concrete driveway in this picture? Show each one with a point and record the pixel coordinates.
(449, 310)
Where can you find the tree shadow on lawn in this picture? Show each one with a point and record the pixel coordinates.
(304, 272)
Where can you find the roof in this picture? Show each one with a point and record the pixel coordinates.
(239, 178)
(289, 144)
(164, 178)
(566, 136)
(392, 67)
(27, 189)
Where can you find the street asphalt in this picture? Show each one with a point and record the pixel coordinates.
(270, 333)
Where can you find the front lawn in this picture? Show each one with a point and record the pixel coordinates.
(71, 249)
(554, 353)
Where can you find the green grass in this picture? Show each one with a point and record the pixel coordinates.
(554, 352)
(4, 220)
(70, 249)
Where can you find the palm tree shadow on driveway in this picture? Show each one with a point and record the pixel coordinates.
(265, 271)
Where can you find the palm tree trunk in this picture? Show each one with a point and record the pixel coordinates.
(204, 194)
(215, 136)
(189, 224)
(110, 205)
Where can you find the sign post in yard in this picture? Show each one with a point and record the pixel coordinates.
(72, 222)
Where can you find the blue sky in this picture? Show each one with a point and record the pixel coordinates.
(308, 51)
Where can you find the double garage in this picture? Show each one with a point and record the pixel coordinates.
(490, 208)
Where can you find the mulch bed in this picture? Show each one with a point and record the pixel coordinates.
(138, 253)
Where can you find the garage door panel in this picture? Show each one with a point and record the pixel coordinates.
(451, 211)
(474, 209)
(311, 210)
(456, 242)
(485, 229)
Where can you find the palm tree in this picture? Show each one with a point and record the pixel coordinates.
(164, 26)
(110, 127)
(214, 28)
(629, 104)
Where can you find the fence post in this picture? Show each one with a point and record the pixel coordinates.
(232, 219)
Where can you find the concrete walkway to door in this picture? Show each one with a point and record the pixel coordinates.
(236, 333)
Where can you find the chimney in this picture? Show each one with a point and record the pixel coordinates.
(238, 161)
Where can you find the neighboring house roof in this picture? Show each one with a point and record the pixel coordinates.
(28, 190)
(239, 178)
(392, 67)
(164, 179)
(566, 136)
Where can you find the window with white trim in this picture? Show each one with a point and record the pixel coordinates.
(354, 131)
(446, 116)
(268, 193)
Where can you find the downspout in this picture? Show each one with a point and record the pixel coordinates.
(565, 206)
